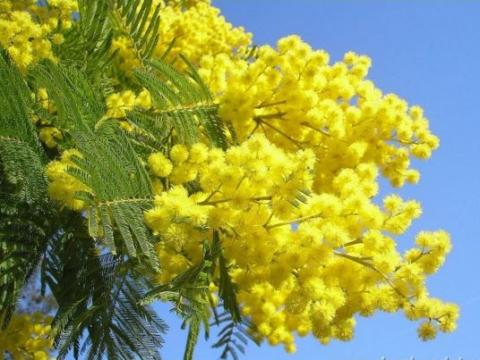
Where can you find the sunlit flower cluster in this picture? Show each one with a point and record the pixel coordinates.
(28, 29)
(294, 96)
(243, 190)
(63, 185)
(125, 50)
(49, 135)
(198, 30)
(193, 30)
(304, 262)
(27, 337)
(119, 104)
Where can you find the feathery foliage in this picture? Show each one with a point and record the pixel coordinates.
(23, 190)
(184, 102)
(140, 21)
(233, 337)
(95, 295)
(98, 297)
(190, 297)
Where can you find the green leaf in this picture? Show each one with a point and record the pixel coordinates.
(120, 188)
(192, 338)
(226, 289)
(121, 192)
(78, 103)
(98, 296)
(190, 295)
(233, 337)
(23, 168)
(87, 44)
(184, 102)
(25, 211)
(140, 21)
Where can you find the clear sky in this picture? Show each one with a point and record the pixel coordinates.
(427, 52)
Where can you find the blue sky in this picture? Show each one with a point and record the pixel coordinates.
(428, 52)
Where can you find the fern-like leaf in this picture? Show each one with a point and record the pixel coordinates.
(78, 103)
(120, 188)
(189, 294)
(120, 192)
(87, 45)
(233, 337)
(24, 209)
(184, 102)
(98, 296)
(139, 20)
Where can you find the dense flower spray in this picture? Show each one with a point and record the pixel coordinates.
(294, 198)
(27, 337)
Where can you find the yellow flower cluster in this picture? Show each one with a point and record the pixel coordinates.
(193, 31)
(27, 337)
(198, 30)
(118, 104)
(298, 100)
(123, 45)
(241, 190)
(27, 29)
(44, 101)
(49, 136)
(304, 262)
(63, 187)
